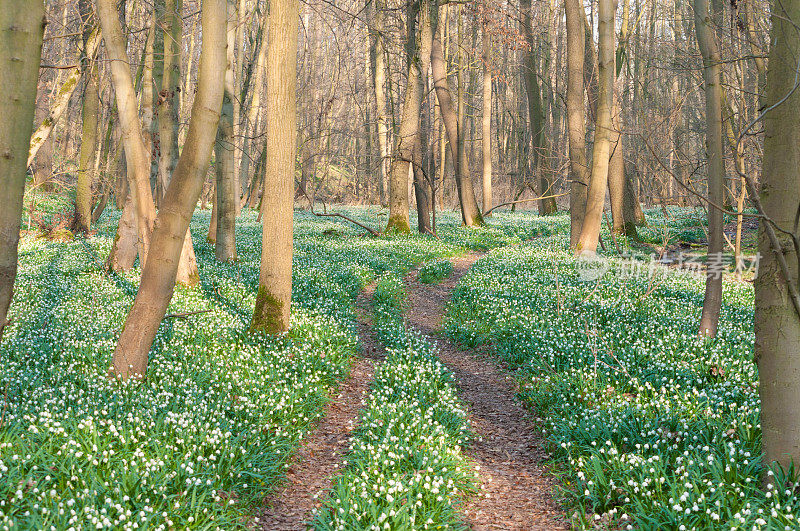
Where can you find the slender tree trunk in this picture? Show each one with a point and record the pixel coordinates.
(272, 311)
(168, 97)
(418, 62)
(716, 165)
(250, 129)
(61, 101)
(536, 113)
(227, 195)
(595, 199)
(576, 118)
(421, 187)
(470, 213)
(169, 235)
(136, 154)
(21, 30)
(91, 111)
(378, 60)
(777, 324)
(486, 123)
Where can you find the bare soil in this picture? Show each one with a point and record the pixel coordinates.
(516, 491)
(321, 456)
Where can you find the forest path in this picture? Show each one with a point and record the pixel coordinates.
(516, 492)
(321, 456)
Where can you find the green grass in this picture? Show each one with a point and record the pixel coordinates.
(652, 427)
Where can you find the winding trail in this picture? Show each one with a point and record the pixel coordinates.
(321, 455)
(516, 492)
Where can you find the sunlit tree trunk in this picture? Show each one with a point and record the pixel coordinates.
(470, 213)
(21, 30)
(486, 119)
(576, 118)
(136, 153)
(272, 311)
(378, 60)
(716, 165)
(777, 325)
(168, 239)
(168, 98)
(595, 199)
(418, 51)
(623, 217)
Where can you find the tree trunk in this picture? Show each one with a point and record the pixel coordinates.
(61, 101)
(169, 234)
(227, 195)
(777, 324)
(168, 98)
(21, 30)
(91, 110)
(595, 199)
(136, 154)
(486, 122)
(418, 62)
(536, 114)
(250, 130)
(272, 311)
(123, 251)
(576, 118)
(716, 166)
(378, 59)
(421, 187)
(470, 213)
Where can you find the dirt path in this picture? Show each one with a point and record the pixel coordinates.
(320, 458)
(516, 491)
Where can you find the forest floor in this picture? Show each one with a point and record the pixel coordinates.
(321, 456)
(515, 491)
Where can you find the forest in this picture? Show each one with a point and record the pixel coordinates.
(400, 264)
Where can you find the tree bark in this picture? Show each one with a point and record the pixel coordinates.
(378, 59)
(169, 235)
(90, 112)
(418, 50)
(272, 311)
(227, 195)
(136, 153)
(595, 199)
(576, 118)
(536, 113)
(777, 324)
(21, 30)
(168, 97)
(470, 213)
(61, 101)
(486, 122)
(716, 165)
(623, 216)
